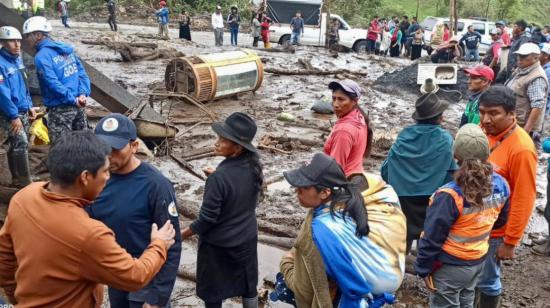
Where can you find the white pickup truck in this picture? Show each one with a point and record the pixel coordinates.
(355, 39)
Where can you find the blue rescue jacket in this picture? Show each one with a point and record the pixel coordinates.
(60, 73)
(162, 15)
(14, 95)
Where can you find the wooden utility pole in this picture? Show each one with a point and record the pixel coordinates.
(417, 6)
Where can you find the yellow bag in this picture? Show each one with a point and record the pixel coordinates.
(39, 132)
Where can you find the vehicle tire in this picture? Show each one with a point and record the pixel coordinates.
(284, 40)
(360, 46)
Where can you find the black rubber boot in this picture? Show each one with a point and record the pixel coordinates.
(487, 301)
(19, 168)
(250, 302)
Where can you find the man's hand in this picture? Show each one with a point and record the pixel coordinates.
(186, 233)
(33, 113)
(428, 280)
(166, 234)
(145, 305)
(81, 101)
(16, 126)
(505, 252)
(208, 170)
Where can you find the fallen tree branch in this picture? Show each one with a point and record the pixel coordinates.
(266, 147)
(281, 242)
(280, 71)
(205, 155)
(289, 50)
(180, 134)
(190, 99)
(113, 43)
(187, 166)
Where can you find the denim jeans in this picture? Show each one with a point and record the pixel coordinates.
(295, 38)
(371, 45)
(64, 21)
(471, 53)
(234, 34)
(489, 280)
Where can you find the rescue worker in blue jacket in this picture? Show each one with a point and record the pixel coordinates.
(136, 196)
(64, 84)
(459, 220)
(15, 105)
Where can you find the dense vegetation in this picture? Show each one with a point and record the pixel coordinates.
(358, 12)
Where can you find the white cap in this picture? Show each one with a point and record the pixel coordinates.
(546, 48)
(494, 31)
(10, 33)
(37, 23)
(527, 49)
(218, 7)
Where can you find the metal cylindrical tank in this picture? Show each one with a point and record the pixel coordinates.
(212, 76)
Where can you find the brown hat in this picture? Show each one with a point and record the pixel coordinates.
(429, 106)
(471, 143)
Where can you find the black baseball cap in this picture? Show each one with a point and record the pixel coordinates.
(117, 130)
(322, 170)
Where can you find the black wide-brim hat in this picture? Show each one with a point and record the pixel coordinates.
(239, 128)
(429, 106)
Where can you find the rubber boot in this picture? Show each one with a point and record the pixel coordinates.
(487, 301)
(19, 168)
(250, 302)
(542, 249)
(477, 298)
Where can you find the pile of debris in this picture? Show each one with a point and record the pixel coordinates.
(136, 51)
(404, 80)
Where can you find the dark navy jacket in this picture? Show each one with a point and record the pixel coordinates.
(14, 96)
(440, 217)
(60, 73)
(129, 205)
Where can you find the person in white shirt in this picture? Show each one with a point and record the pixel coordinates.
(217, 25)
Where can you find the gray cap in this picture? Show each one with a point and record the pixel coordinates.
(471, 143)
(348, 85)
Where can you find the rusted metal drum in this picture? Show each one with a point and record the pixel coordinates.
(212, 76)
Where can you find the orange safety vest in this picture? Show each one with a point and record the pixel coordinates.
(468, 238)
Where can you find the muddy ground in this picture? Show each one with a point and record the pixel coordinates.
(390, 94)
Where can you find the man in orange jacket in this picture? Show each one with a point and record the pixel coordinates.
(513, 156)
(52, 254)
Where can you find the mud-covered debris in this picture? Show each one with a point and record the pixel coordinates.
(404, 80)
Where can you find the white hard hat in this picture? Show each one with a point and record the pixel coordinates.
(37, 23)
(494, 31)
(9, 33)
(546, 48)
(527, 49)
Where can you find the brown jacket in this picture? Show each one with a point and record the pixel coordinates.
(52, 254)
(305, 274)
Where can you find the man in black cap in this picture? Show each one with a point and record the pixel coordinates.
(419, 162)
(136, 196)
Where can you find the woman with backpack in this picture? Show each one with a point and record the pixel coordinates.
(343, 257)
(395, 41)
(351, 137)
(459, 220)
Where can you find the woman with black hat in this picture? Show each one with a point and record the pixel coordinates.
(227, 260)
